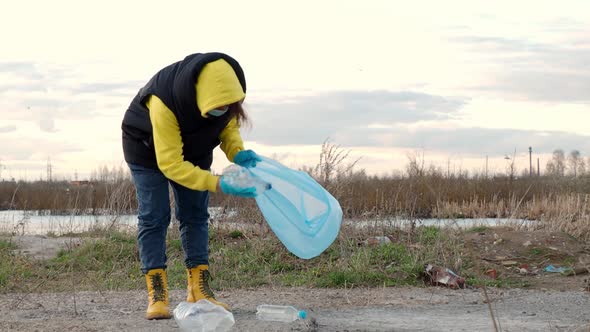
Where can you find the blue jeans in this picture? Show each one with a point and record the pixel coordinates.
(154, 218)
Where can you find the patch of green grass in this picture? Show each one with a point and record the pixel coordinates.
(569, 261)
(538, 251)
(6, 245)
(236, 234)
(428, 234)
(15, 269)
(248, 263)
(213, 234)
(238, 260)
(339, 279)
(478, 229)
(265, 261)
(174, 245)
(110, 263)
(176, 272)
(388, 264)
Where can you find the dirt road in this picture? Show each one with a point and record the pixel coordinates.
(381, 309)
(556, 303)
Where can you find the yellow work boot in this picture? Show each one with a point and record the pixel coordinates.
(157, 286)
(198, 285)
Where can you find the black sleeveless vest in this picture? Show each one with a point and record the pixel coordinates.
(175, 86)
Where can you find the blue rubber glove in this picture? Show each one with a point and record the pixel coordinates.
(236, 191)
(246, 158)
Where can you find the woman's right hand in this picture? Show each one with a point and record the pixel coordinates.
(234, 190)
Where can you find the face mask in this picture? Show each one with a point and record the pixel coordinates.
(218, 112)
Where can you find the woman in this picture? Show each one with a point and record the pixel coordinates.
(169, 133)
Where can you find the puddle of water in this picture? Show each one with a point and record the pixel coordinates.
(458, 223)
(40, 223)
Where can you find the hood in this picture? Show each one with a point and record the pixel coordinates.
(217, 85)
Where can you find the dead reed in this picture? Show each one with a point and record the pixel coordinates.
(558, 202)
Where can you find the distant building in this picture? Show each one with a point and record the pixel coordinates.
(78, 183)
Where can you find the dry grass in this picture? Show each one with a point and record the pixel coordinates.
(117, 196)
(560, 203)
(566, 213)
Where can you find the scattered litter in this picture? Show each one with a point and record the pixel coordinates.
(443, 276)
(498, 241)
(203, 316)
(279, 313)
(527, 243)
(390, 265)
(492, 273)
(509, 263)
(377, 240)
(552, 269)
(525, 269)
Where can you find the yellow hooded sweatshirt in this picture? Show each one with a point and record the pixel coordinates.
(217, 85)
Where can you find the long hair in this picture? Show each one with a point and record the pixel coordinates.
(236, 110)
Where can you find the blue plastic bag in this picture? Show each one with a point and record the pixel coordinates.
(301, 213)
(554, 269)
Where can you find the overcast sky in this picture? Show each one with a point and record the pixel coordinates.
(454, 81)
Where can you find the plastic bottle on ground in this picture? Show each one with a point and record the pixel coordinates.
(279, 313)
(202, 316)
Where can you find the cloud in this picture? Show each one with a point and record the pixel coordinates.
(7, 129)
(36, 148)
(392, 119)
(45, 111)
(26, 69)
(125, 89)
(46, 123)
(554, 71)
(6, 88)
(539, 85)
(499, 44)
(311, 119)
(479, 141)
(46, 94)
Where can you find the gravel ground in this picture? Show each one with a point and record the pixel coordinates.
(376, 309)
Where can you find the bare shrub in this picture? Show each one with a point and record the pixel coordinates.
(424, 191)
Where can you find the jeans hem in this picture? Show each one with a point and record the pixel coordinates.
(145, 270)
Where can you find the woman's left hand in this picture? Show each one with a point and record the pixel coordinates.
(247, 158)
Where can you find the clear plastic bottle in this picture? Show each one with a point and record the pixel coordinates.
(279, 313)
(203, 316)
(239, 176)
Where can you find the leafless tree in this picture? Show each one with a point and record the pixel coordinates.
(556, 166)
(511, 166)
(576, 163)
(1, 167)
(332, 162)
(415, 166)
